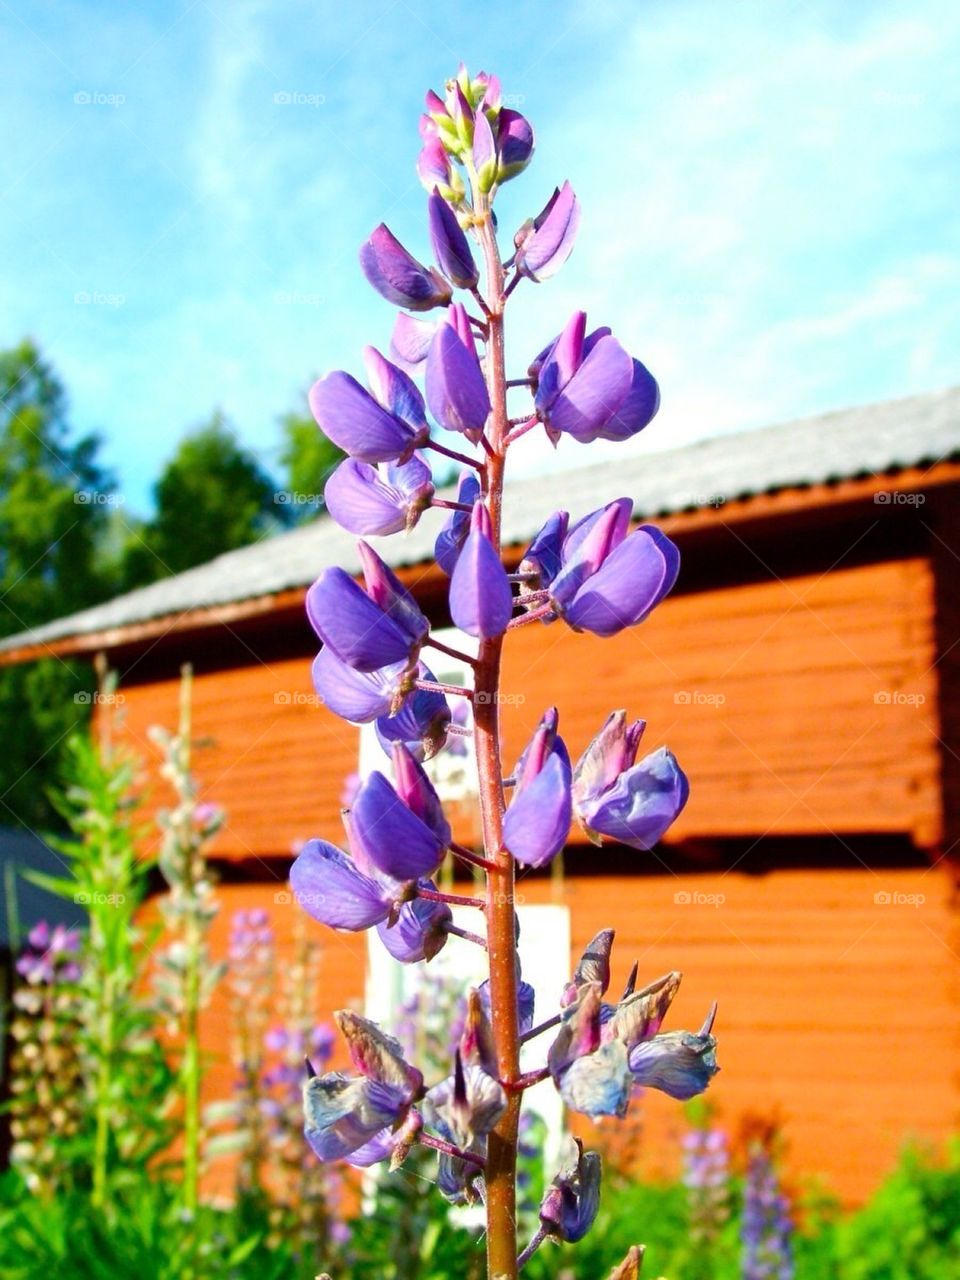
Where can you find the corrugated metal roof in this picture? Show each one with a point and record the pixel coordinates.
(870, 439)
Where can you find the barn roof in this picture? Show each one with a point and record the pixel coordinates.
(869, 440)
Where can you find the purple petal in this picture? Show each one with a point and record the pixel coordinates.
(433, 164)
(418, 793)
(678, 1063)
(359, 696)
(542, 557)
(481, 599)
(397, 842)
(547, 249)
(396, 391)
(450, 246)
(389, 594)
(633, 579)
(587, 546)
(398, 276)
(349, 416)
(643, 802)
(484, 152)
(456, 392)
(342, 1115)
(418, 932)
(638, 408)
(452, 536)
(360, 502)
(515, 142)
(329, 887)
(354, 626)
(599, 386)
(599, 1083)
(421, 723)
(410, 340)
(536, 825)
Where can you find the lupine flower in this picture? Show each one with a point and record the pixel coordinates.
(706, 1176)
(361, 696)
(544, 244)
(354, 1118)
(481, 599)
(515, 143)
(588, 387)
(367, 629)
(380, 500)
(400, 827)
(450, 246)
(484, 154)
(767, 1226)
(610, 579)
(536, 825)
(452, 536)
(593, 968)
(398, 276)
(386, 426)
(352, 893)
(410, 341)
(543, 558)
(420, 724)
(679, 1063)
(631, 803)
(456, 391)
(572, 1200)
(602, 1052)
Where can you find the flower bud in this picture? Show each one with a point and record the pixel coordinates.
(456, 391)
(536, 825)
(398, 276)
(450, 246)
(572, 1200)
(481, 599)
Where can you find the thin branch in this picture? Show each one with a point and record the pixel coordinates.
(466, 935)
(475, 860)
(448, 1149)
(526, 1081)
(531, 1248)
(451, 653)
(457, 457)
(538, 1031)
(437, 686)
(452, 899)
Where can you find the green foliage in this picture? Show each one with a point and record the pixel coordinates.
(308, 458)
(127, 1078)
(212, 496)
(51, 525)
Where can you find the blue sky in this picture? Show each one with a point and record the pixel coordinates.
(769, 190)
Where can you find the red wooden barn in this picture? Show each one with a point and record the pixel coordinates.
(806, 671)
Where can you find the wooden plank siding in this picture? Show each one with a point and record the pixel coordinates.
(767, 692)
(837, 1011)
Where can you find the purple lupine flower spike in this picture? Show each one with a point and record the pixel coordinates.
(456, 391)
(398, 276)
(572, 1200)
(548, 243)
(349, 416)
(481, 599)
(367, 500)
(452, 536)
(450, 246)
(536, 825)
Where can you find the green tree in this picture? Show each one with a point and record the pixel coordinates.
(54, 502)
(307, 457)
(212, 496)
